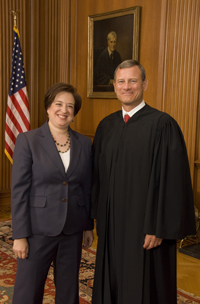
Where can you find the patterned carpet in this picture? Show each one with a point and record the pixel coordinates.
(8, 271)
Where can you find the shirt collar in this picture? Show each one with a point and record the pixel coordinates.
(134, 110)
(109, 51)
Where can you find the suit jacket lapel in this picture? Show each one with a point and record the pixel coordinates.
(47, 142)
(75, 151)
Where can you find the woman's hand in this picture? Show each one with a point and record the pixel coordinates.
(20, 248)
(88, 239)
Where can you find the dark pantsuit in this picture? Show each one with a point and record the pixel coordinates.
(65, 251)
(50, 207)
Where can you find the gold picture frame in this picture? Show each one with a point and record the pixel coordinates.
(126, 24)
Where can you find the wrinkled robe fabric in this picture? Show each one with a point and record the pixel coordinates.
(141, 186)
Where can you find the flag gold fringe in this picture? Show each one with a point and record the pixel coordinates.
(8, 156)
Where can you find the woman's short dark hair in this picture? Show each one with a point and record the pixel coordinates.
(129, 64)
(62, 87)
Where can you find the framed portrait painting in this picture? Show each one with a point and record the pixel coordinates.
(113, 38)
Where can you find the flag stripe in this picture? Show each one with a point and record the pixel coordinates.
(23, 92)
(17, 113)
(19, 106)
(11, 145)
(11, 125)
(23, 97)
(8, 149)
(18, 102)
(11, 134)
(11, 110)
(14, 119)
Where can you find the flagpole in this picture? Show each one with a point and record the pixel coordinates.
(17, 113)
(15, 20)
(15, 16)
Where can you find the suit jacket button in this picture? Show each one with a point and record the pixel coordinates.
(64, 183)
(64, 200)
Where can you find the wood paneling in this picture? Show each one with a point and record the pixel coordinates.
(41, 37)
(64, 40)
(197, 162)
(180, 87)
(6, 36)
(96, 109)
(181, 70)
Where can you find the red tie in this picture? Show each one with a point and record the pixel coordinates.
(126, 118)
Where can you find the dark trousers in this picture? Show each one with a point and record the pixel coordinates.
(65, 252)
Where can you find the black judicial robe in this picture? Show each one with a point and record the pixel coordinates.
(141, 186)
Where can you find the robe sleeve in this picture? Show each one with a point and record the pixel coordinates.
(170, 208)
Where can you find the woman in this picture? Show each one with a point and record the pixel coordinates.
(50, 201)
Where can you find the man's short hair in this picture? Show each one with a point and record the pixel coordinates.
(129, 64)
(111, 35)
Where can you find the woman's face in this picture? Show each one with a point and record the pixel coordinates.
(61, 111)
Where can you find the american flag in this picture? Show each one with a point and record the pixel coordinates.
(17, 113)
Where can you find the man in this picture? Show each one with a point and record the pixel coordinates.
(142, 198)
(107, 62)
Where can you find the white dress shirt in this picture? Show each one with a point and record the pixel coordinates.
(134, 110)
(65, 159)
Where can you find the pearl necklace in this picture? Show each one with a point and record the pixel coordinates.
(63, 145)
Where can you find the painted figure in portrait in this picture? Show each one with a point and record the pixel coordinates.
(107, 62)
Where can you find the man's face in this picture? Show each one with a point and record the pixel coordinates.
(129, 87)
(112, 44)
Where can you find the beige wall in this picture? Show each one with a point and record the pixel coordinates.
(54, 40)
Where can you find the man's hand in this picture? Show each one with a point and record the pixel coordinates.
(20, 248)
(88, 239)
(151, 241)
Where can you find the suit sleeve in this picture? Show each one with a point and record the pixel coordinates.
(20, 187)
